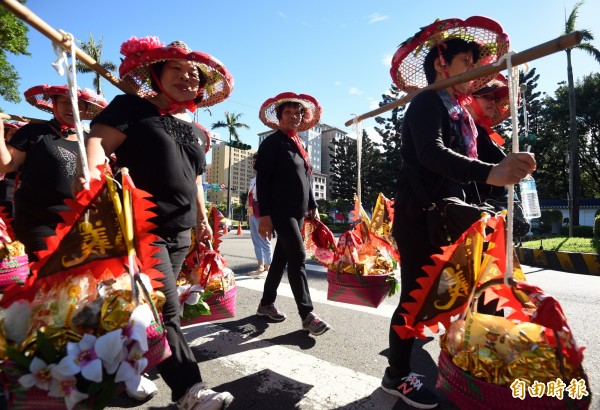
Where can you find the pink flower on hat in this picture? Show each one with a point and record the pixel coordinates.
(136, 46)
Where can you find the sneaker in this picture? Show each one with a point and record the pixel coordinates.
(315, 325)
(411, 390)
(271, 312)
(145, 390)
(200, 397)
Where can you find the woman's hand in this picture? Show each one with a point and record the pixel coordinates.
(314, 214)
(265, 227)
(513, 168)
(203, 231)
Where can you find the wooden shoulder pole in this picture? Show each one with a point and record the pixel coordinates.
(4, 116)
(541, 50)
(56, 36)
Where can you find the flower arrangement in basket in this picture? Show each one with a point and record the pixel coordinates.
(362, 268)
(13, 259)
(527, 360)
(86, 324)
(206, 287)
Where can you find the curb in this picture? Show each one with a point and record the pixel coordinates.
(582, 263)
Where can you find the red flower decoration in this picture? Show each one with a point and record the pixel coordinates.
(136, 46)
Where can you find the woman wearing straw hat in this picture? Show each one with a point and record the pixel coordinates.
(46, 156)
(154, 137)
(262, 246)
(7, 181)
(285, 195)
(439, 154)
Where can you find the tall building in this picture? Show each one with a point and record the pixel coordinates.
(329, 136)
(218, 173)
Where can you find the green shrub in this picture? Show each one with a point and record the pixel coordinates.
(597, 226)
(578, 231)
(325, 218)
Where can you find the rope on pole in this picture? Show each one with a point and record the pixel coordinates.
(64, 41)
(542, 50)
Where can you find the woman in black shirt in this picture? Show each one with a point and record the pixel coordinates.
(285, 195)
(154, 137)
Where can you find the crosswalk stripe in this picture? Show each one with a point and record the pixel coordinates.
(316, 295)
(329, 386)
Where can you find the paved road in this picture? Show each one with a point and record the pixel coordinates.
(279, 366)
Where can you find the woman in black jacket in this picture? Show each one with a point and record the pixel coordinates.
(285, 195)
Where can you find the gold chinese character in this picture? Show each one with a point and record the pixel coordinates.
(555, 389)
(93, 241)
(537, 389)
(519, 388)
(577, 389)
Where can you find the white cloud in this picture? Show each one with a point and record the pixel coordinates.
(373, 103)
(282, 15)
(373, 135)
(337, 83)
(354, 90)
(376, 18)
(386, 60)
(306, 24)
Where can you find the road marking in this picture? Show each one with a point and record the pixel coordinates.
(329, 386)
(317, 296)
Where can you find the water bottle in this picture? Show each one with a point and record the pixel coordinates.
(529, 198)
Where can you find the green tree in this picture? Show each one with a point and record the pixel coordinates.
(13, 40)
(343, 171)
(94, 50)
(390, 129)
(574, 176)
(232, 123)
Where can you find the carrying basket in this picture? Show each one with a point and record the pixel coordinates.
(363, 290)
(471, 393)
(13, 269)
(222, 306)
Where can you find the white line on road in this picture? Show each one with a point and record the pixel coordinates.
(329, 386)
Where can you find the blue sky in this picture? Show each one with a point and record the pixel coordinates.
(337, 51)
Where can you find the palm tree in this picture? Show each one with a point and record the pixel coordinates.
(574, 185)
(94, 50)
(232, 124)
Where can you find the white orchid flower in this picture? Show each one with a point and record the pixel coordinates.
(110, 348)
(141, 318)
(81, 357)
(40, 376)
(131, 369)
(66, 387)
(189, 295)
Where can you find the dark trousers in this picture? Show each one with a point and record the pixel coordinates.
(415, 252)
(180, 371)
(289, 250)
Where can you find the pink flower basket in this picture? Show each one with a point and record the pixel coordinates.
(368, 290)
(13, 270)
(471, 393)
(222, 306)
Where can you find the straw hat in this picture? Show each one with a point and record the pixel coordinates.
(41, 96)
(141, 53)
(312, 110)
(498, 87)
(407, 64)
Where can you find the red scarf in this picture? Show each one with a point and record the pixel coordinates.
(293, 135)
(486, 123)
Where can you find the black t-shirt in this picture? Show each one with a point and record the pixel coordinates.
(283, 184)
(46, 174)
(164, 156)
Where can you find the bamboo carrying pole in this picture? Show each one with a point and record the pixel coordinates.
(58, 37)
(533, 53)
(4, 116)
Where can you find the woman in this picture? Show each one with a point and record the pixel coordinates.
(7, 182)
(439, 153)
(285, 195)
(154, 137)
(46, 156)
(262, 246)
